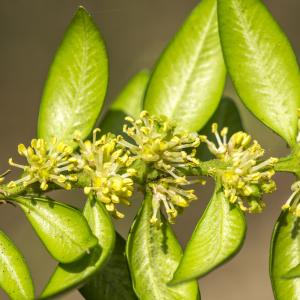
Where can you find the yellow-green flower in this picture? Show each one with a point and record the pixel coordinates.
(157, 143)
(47, 162)
(108, 164)
(170, 192)
(246, 177)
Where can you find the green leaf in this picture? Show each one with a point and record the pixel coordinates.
(153, 255)
(76, 84)
(285, 256)
(217, 237)
(15, 277)
(62, 229)
(189, 77)
(227, 115)
(68, 276)
(129, 102)
(261, 63)
(113, 281)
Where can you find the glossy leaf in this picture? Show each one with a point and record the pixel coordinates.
(153, 255)
(76, 84)
(227, 115)
(261, 63)
(217, 237)
(285, 256)
(15, 277)
(129, 102)
(113, 281)
(189, 77)
(68, 276)
(62, 229)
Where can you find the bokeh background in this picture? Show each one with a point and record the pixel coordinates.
(135, 32)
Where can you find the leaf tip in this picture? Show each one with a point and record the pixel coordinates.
(82, 14)
(81, 10)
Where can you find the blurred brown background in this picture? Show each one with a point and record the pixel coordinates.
(135, 32)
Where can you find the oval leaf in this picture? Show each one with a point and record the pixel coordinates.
(76, 84)
(68, 276)
(227, 115)
(153, 255)
(261, 63)
(189, 78)
(62, 229)
(15, 277)
(217, 237)
(113, 281)
(129, 102)
(285, 256)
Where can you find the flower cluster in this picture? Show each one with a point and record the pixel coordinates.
(246, 177)
(108, 164)
(47, 162)
(157, 143)
(170, 192)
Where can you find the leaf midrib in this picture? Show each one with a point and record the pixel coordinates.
(150, 250)
(53, 224)
(250, 41)
(12, 273)
(81, 78)
(197, 57)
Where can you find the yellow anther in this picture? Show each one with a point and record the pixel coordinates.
(131, 172)
(285, 206)
(110, 207)
(179, 201)
(224, 131)
(87, 190)
(143, 114)
(154, 220)
(295, 186)
(44, 186)
(118, 215)
(115, 199)
(214, 128)
(22, 149)
(129, 119)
